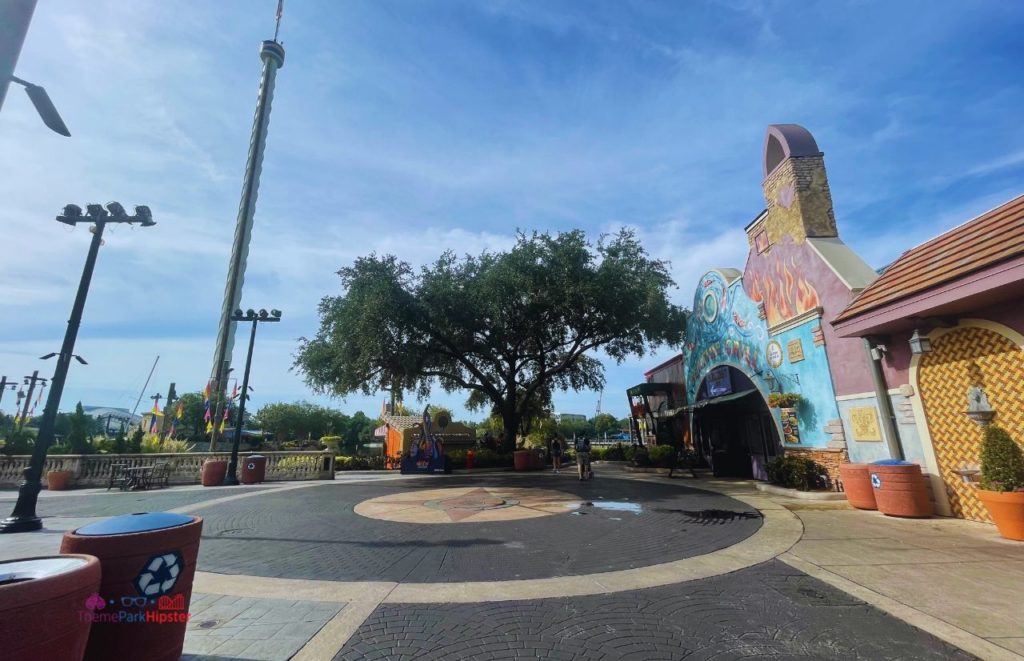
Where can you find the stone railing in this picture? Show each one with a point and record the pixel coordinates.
(93, 470)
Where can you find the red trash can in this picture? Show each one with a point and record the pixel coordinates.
(470, 455)
(148, 562)
(857, 485)
(900, 489)
(214, 471)
(46, 606)
(254, 469)
(522, 460)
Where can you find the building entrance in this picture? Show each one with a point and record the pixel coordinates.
(732, 425)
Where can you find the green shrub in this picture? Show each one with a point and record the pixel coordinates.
(1002, 462)
(597, 454)
(17, 442)
(59, 448)
(359, 463)
(796, 472)
(640, 456)
(616, 452)
(662, 455)
(482, 458)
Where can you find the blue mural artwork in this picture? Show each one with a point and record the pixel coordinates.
(724, 330)
(727, 329)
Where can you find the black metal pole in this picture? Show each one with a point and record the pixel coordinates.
(28, 400)
(231, 477)
(23, 518)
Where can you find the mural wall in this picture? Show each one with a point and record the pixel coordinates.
(725, 329)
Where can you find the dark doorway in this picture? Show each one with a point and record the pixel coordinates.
(732, 425)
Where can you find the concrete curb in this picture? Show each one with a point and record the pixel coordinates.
(799, 495)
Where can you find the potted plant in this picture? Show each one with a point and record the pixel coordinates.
(783, 400)
(59, 480)
(1002, 482)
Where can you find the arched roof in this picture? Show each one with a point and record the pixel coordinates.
(783, 141)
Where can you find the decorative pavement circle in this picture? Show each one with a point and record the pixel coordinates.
(468, 504)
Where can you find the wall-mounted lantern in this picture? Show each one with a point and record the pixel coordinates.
(920, 344)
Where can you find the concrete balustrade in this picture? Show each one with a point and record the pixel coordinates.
(93, 470)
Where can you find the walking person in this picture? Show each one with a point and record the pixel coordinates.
(583, 458)
(556, 454)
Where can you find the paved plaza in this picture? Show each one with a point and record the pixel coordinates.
(503, 565)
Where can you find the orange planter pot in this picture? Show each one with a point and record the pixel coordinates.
(58, 480)
(148, 563)
(214, 472)
(522, 460)
(44, 606)
(857, 485)
(1007, 512)
(901, 490)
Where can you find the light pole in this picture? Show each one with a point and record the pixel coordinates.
(231, 477)
(23, 518)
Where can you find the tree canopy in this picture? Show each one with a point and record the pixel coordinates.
(510, 328)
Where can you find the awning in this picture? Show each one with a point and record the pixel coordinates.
(649, 389)
(723, 398)
(381, 431)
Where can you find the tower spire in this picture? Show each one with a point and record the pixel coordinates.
(272, 55)
(278, 15)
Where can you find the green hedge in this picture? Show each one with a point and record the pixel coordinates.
(373, 463)
(796, 472)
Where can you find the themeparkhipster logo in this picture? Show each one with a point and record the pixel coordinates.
(165, 609)
(153, 604)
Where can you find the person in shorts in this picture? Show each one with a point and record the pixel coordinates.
(556, 454)
(583, 458)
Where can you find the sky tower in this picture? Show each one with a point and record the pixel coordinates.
(272, 55)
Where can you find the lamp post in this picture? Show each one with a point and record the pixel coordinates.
(231, 477)
(23, 518)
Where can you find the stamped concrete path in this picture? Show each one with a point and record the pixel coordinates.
(539, 565)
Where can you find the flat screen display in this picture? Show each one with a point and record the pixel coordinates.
(719, 382)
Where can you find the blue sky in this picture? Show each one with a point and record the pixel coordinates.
(411, 127)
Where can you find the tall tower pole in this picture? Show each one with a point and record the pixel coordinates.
(272, 55)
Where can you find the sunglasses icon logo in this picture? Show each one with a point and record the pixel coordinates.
(134, 601)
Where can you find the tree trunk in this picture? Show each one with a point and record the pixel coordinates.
(510, 420)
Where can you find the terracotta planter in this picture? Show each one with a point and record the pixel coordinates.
(901, 490)
(857, 485)
(522, 460)
(43, 611)
(59, 480)
(148, 563)
(214, 472)
(1007, 512)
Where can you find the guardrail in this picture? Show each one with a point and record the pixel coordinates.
(93, 470)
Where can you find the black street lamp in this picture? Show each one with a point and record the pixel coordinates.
(23, 518)
(231, 477)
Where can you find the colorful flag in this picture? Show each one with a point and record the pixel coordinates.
(207, 415)
(173, 429)
(222, 424)
(209, 426)
(206, 392)
(234, 392)
(153, 428)
(180, 412)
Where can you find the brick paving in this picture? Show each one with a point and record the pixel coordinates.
(314, 533)
(249, 628)
(768, 610)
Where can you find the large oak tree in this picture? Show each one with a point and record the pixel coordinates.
(508, 327)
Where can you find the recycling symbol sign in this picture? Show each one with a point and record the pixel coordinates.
(159, 574)
(251, 465)
(876, 481)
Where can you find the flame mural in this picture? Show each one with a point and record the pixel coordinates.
(781, 288)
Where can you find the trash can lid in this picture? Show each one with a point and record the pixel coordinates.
(14, 571)
(256, 456)
(890, 462)
(131, 523)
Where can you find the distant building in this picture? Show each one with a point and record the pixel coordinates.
(112, 417)
(570, 417)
